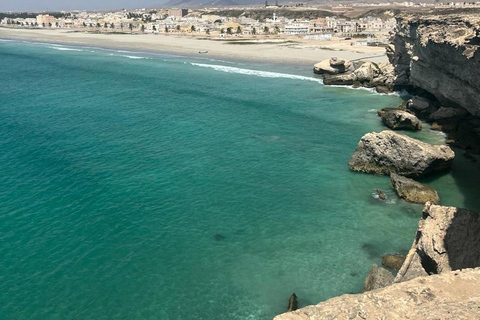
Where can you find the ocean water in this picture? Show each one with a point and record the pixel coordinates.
(149, 186)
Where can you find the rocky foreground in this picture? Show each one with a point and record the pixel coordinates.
(434, 282)
(452, 295)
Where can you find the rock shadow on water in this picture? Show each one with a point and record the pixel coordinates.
(219, 237)
(374, 251)
(467, 178)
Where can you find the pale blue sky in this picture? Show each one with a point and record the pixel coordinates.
(57, 5)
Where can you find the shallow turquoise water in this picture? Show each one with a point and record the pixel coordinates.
(146, 186)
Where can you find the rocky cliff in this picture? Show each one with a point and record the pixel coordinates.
(434, 281)
(440, 54)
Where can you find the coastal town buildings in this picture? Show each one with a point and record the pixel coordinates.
(227, 22)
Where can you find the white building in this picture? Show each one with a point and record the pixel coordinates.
(296, 28)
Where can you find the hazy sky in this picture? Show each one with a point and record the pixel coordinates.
(56, 5)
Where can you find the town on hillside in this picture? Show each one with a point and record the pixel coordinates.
(373, 26)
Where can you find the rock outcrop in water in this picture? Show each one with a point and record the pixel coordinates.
(453, 295)
(292, 303)
(336, 71)
(447, 239)
(387, 151)
(332, 66)
(393, 261)
(413, 191)
(401, 120)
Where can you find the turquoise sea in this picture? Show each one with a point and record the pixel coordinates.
(154, 186)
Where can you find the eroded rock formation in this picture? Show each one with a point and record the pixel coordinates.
(448, 238)
(401, 120)
(413, 191)
(387, 151)
(439, 54)
(336, 71)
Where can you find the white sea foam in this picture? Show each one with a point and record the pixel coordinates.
(64, 49)
(134, 57)
(372, 90)
(258, 73)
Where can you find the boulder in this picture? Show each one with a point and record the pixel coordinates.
(393, 261)
(413, 191)
(422, 107)
(364, 73)
(447, 239)
(382, 89)
(344, 79)
(387, 151)
(377, 278)
(332, 66)
(399, 119)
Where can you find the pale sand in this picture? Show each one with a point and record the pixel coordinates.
(305, 52)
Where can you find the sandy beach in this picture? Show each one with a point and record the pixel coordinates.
(273, 49)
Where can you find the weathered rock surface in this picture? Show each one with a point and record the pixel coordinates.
(448, 238)
(452, 295)
(387, 151)
(401, 120)
(344, 79)
(439, 54)
(413, 191)
(332, 66)
(421, 107)
(377, 278)
(393, 261)
(336, 71)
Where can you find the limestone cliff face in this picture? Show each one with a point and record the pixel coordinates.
(440, 54)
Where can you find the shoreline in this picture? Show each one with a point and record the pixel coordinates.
(299, 53)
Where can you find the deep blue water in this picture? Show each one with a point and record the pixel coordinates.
(146, 186)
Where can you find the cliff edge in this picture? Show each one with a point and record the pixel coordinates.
(439, 54)
(450, 295)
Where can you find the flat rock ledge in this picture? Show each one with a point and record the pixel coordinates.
(387, 151)
(413, 191)
(452, 295)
